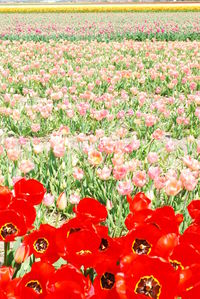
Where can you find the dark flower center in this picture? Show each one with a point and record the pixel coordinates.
(73, 230)
(35, 285)
(104, 245)
(141, 247)
(176, 265)
(107, 281)
(148, 286)
(41, 245)
(8, 229)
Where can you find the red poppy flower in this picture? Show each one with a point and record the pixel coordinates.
(109, 248)
(6, 274)
(192, 292)
(33, 284)
(189, 282)
(141, 240)
(92, 209)
(41, 243)
(70, 227)
(139, 202)
(192, 236)
(25, 209)
(8, 286)
(68, 281)
(138, 218)
(184, 255)
(82, 248)
(67, 290)
(12, 225)
(146, 277)
(5, 197)
(139, 210)
(194, 209)
(30, 190)
(166, 244)
(165, 219)
(105, 282)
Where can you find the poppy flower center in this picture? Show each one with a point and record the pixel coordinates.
(8, 229)
(176, 265)
(107, 281)
(148, 286)
(41, 245)
(104, 245)
(35, 285)
(141, 247)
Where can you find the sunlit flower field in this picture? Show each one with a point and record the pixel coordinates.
(101, 26)
(100, 156)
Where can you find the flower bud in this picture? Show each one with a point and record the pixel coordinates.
(22, 253)
(62, 201)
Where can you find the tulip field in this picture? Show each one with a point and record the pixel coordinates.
(100, 155)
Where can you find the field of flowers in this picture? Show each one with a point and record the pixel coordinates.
(100, 156)
(98, 7)
(102, 27)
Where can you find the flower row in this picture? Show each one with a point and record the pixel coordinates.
(151, 260)
(100, 8)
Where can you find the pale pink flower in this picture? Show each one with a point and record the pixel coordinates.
(122, 132)
(169, 146)
(26, 166)
(124, 187)
(48, 200)
(38, 148)
(150, 120)
(100, 133)
(59, 150)
(10, 142)
(64, 130)
(95, 158)
(119, 172)
(35, 127)
(173, 186)
(152, 157)
(13, 154)
(118, 159)
(139, 178)
(158, 134)
(104, 173)
(81, 137)
(191, 163)
(132, 165)
(159, 182)
(132, 146)
(22, 140)
(109, 146)
(70, 113)
(188, 180)
(74, 198)
(153, 172)
(171, 173)
(78, 173)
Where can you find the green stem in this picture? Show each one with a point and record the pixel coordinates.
(6, 248)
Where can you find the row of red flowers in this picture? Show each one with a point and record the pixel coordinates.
(153, 260)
